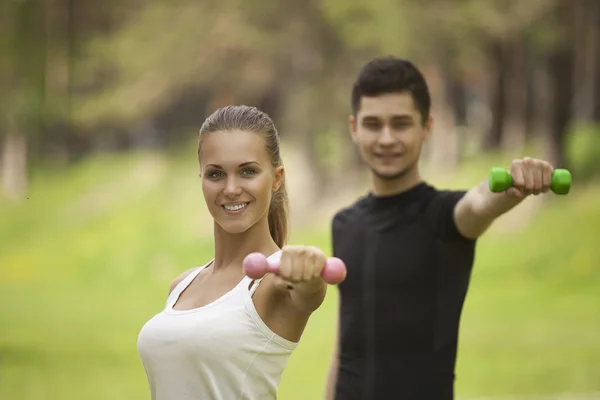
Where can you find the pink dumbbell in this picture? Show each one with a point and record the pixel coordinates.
(256, 266)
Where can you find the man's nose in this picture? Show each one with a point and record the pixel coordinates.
(386, 138)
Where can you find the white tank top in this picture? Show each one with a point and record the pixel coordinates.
(221, 351)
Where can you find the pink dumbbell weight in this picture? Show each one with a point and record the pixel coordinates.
(256, 266)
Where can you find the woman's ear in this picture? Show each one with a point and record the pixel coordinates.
(279, 178)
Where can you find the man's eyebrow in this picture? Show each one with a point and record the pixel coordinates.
(371, 118)
(403, 117)
(399, 117)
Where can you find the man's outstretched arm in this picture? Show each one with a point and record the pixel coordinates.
(479, 207)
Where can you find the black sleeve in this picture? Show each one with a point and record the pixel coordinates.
(441, 212)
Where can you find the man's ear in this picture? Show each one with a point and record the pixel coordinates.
(352, 127)
(279, 178)
(428, 128)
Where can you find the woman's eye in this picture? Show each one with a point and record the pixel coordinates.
(248, 172)
(215, 174)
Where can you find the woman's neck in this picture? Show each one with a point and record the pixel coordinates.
(231, 249)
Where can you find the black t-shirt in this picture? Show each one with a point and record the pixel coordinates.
(400, 304)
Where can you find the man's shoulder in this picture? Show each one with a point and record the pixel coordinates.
(351, 211)
(444, 195)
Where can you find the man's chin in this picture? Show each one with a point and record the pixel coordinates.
(389, 175)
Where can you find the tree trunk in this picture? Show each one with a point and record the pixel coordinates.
(530, 108)
(497, 57)
(513, 137)
(25, 113)
(561, 67)
(14, 166)
(442, 149)
(595, 57)
(596, 100)
(456, 102)
(585, 35)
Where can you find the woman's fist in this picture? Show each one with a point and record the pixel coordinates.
(301, 263)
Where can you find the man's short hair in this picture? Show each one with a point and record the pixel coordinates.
(390, 74)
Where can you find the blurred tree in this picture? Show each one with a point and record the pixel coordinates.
(136, 73)
(41, 48)
(561, 63)
(23, 75)
(593, 51)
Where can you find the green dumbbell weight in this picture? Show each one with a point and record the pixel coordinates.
(500, 180)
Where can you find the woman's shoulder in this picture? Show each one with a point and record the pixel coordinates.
(184, 275)
(180, 278)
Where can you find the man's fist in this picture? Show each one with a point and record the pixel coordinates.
(529, 176)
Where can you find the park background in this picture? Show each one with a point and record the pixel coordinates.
(101, 204)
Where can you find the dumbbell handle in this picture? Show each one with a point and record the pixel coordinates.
(256, 266)
(500, 179)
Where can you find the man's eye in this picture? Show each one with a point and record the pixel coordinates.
(401, 125)
(372, 125)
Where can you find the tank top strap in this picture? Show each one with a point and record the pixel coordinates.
(174, 295)
(254, 286)
(273, 257)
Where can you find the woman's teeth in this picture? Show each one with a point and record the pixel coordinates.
(236, 207)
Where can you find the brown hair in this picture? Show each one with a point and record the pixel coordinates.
(251, 119)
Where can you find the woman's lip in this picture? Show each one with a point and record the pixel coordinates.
(236, 211)
(237, 203)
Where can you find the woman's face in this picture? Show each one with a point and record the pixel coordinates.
(238, 178)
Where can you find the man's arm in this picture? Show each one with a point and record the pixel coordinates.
(332, 374)
(476, 211)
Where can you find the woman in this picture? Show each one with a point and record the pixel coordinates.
(223, 335)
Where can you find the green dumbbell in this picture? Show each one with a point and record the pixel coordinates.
(500, 180)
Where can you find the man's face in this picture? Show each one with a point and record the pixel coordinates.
(389, 133)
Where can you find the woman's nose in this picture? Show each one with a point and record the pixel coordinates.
(232, 188)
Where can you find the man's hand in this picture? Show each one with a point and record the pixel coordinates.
(475, 212)
(530, 176)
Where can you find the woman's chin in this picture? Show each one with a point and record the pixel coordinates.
(235, 227)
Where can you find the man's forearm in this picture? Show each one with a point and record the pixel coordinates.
(489, 205)
(476, 211)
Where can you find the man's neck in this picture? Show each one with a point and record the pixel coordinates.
(389, 187)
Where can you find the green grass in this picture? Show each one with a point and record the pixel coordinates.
(87, 259)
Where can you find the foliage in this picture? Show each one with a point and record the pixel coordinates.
(88, 259)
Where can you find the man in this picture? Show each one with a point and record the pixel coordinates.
(408, 247)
